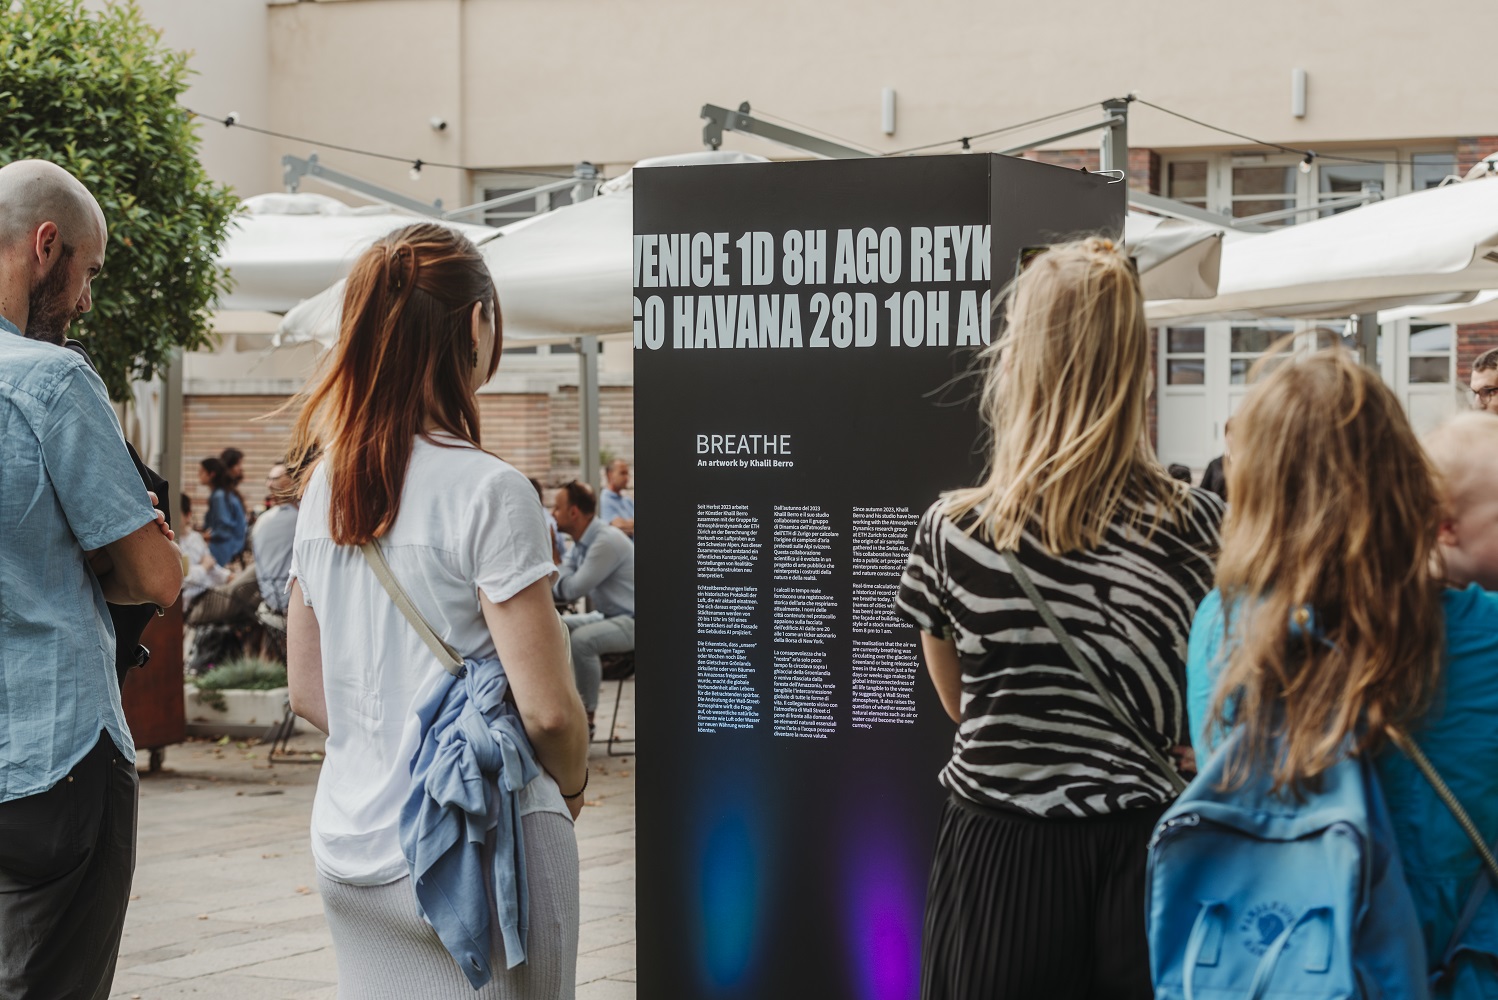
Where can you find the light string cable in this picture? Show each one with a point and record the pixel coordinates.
(1307, 155)
(416, 163)
(815, 131)
(967, 140)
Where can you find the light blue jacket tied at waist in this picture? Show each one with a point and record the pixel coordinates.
(472, 760)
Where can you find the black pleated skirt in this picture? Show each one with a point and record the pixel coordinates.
(1020, 907)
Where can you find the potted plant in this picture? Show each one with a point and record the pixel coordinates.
(242, 697)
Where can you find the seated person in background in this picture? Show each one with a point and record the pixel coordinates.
(203, 573)
(553, 534)
(1215, 479)
(271, 540)
(601, 567)
(615, 508)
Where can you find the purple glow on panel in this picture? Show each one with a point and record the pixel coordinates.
(886, 904)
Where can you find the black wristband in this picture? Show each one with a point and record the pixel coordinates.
(580, 790)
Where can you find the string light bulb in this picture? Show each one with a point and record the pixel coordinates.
(416, 171)
(966, 146)
(1305, 165)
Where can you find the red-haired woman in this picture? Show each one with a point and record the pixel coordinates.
(465, 538)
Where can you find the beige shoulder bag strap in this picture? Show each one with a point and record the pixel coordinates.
(445, 654)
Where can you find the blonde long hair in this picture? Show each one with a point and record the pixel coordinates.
(1332, 526)
(1066, 397)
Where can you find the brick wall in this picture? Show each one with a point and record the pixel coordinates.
(1144, 164)
(517, 427)
(535, 432)
(1470, 149)
(1471, 340)
(616, 434)
(213, 423)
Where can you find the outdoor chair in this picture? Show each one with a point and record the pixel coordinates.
(617, 667)
(273, 632)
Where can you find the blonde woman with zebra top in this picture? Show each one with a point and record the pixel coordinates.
(1037, 886)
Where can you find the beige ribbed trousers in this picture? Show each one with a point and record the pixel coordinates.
(387, 952)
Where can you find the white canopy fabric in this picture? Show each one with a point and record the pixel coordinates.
(1177, 259)
(568, 273)
(560, 275)
(1431, 247)
(287, 247)
(1482, 309)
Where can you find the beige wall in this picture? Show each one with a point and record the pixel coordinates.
(543, 82)
(549, 82)
(372, 75)
(230, 57)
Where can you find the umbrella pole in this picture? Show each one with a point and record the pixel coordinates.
(1367, 324)
(588, 417)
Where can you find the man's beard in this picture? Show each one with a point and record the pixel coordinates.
(51, 310)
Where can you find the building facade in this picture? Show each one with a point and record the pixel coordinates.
(501, 90)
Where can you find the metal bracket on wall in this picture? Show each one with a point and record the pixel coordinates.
(720, 120)
(583, 182)
(294, 168)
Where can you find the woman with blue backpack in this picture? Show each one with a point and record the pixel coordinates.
(1055, 599)
(1343, 683)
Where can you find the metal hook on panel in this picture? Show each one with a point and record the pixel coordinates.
(1115, 176)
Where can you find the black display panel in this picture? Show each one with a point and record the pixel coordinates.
(804, 334)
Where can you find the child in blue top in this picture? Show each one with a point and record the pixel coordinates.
(1331, 520)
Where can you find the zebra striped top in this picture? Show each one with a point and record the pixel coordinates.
(1034, 736)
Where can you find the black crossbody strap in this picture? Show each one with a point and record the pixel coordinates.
(1104, 695)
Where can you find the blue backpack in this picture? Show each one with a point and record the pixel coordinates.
(1252, 894)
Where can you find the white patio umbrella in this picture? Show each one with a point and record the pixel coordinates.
(1177, 259)
(284, 248)
(560, 275)
(1482, 309)
(1431, 247)
(567, 273)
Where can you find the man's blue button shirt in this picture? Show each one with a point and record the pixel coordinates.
(67, 486)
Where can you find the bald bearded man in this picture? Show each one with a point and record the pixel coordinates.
(76, 530)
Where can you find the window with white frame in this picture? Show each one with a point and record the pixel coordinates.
(1339, 181)
(1261, 186)
(1247, 184)
(1248, 342)
(1186, 180)
(1185, 355)
(1432, 354)
(1428, 170)
(522, 209)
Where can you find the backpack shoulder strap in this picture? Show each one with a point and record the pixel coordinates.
(1415, 754)
(1075, 654)
(1484, 878)
(446, 655)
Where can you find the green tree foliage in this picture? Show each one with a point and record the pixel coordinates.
(96, 92)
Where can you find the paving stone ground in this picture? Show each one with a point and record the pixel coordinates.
(225, 899)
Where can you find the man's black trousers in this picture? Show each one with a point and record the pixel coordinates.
(66, 859)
